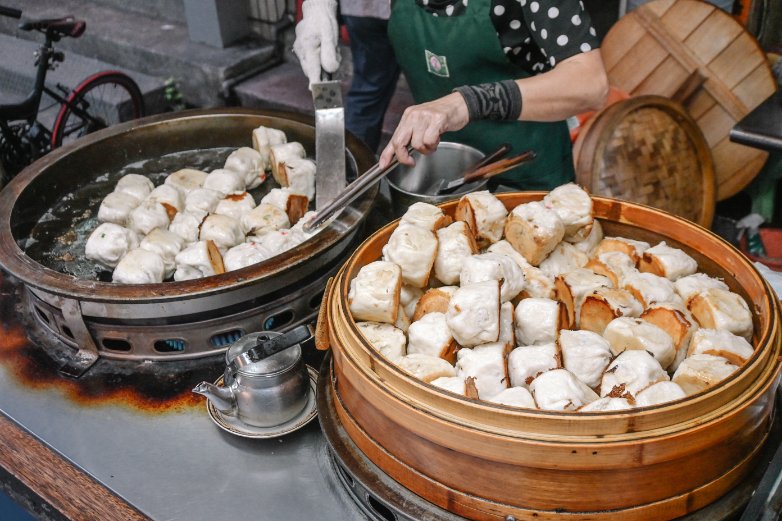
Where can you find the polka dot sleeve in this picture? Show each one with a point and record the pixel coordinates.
(538, 34)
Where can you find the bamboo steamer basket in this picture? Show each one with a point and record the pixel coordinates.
(696, 54)
(648, 150)
(489, 462)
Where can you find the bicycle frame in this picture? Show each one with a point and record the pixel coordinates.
(28, 108)
(23, 138)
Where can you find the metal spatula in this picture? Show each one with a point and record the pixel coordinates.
(329, 140)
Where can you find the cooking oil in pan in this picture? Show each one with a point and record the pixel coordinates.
(58, 238)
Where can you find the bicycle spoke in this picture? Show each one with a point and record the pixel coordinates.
(106, 101)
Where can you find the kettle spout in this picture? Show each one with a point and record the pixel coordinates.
(221, 397)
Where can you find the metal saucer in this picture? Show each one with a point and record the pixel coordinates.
(233, 425)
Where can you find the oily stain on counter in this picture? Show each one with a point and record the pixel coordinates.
(151, 388)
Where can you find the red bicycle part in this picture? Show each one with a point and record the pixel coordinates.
(104, 78)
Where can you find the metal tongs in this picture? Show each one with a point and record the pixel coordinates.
(351, 192)
(446, 187)
(489, 166)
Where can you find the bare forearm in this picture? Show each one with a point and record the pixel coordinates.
(575, 85)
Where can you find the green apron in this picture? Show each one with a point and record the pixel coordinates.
(439, 53)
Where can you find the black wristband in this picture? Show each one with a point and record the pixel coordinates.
(495, 101)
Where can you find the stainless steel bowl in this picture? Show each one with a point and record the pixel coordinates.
(410, 185)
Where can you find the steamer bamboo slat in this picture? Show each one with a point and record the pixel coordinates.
(487, 461)
(414, 475)
(648, 150)
(658, 47)
(520, 444)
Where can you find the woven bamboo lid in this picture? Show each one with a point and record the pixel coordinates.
(648, 150)
(695, 53)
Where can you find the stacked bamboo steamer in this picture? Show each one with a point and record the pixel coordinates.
(698, 55)
(487, 461)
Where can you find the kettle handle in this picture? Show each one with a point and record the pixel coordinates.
(266, 348)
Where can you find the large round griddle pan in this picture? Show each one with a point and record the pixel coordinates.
(70, 169)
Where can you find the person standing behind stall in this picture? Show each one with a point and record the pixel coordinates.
(375, 70)
(487, 72)
(492, 71)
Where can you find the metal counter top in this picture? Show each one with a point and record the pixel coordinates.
(170, 463)
(179, 466)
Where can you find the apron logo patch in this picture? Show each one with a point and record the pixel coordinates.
(436, 65)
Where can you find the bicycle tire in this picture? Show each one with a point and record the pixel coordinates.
(93, 96)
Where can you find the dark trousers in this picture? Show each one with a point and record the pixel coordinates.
(375, 73)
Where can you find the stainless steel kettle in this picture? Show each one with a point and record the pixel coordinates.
(265, 381)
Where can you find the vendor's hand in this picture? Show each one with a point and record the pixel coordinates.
(422, 125)
(317, 43)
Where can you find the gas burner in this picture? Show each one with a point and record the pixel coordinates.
(179, 337)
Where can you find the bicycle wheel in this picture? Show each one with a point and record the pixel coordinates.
(102, 100)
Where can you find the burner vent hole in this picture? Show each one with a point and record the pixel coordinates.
(116, 344)
(171, 345)
(380, 509)
(226, 339)
(67, 332)
(316, 300)
(42, 315)
(278, 320)
(347, 477)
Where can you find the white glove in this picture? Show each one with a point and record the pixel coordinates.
(317, 44)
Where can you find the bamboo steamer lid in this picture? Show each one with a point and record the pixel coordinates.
(648, 150)
(489, 462)
(697, 54)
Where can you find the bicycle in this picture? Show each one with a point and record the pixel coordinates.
(86, 108)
